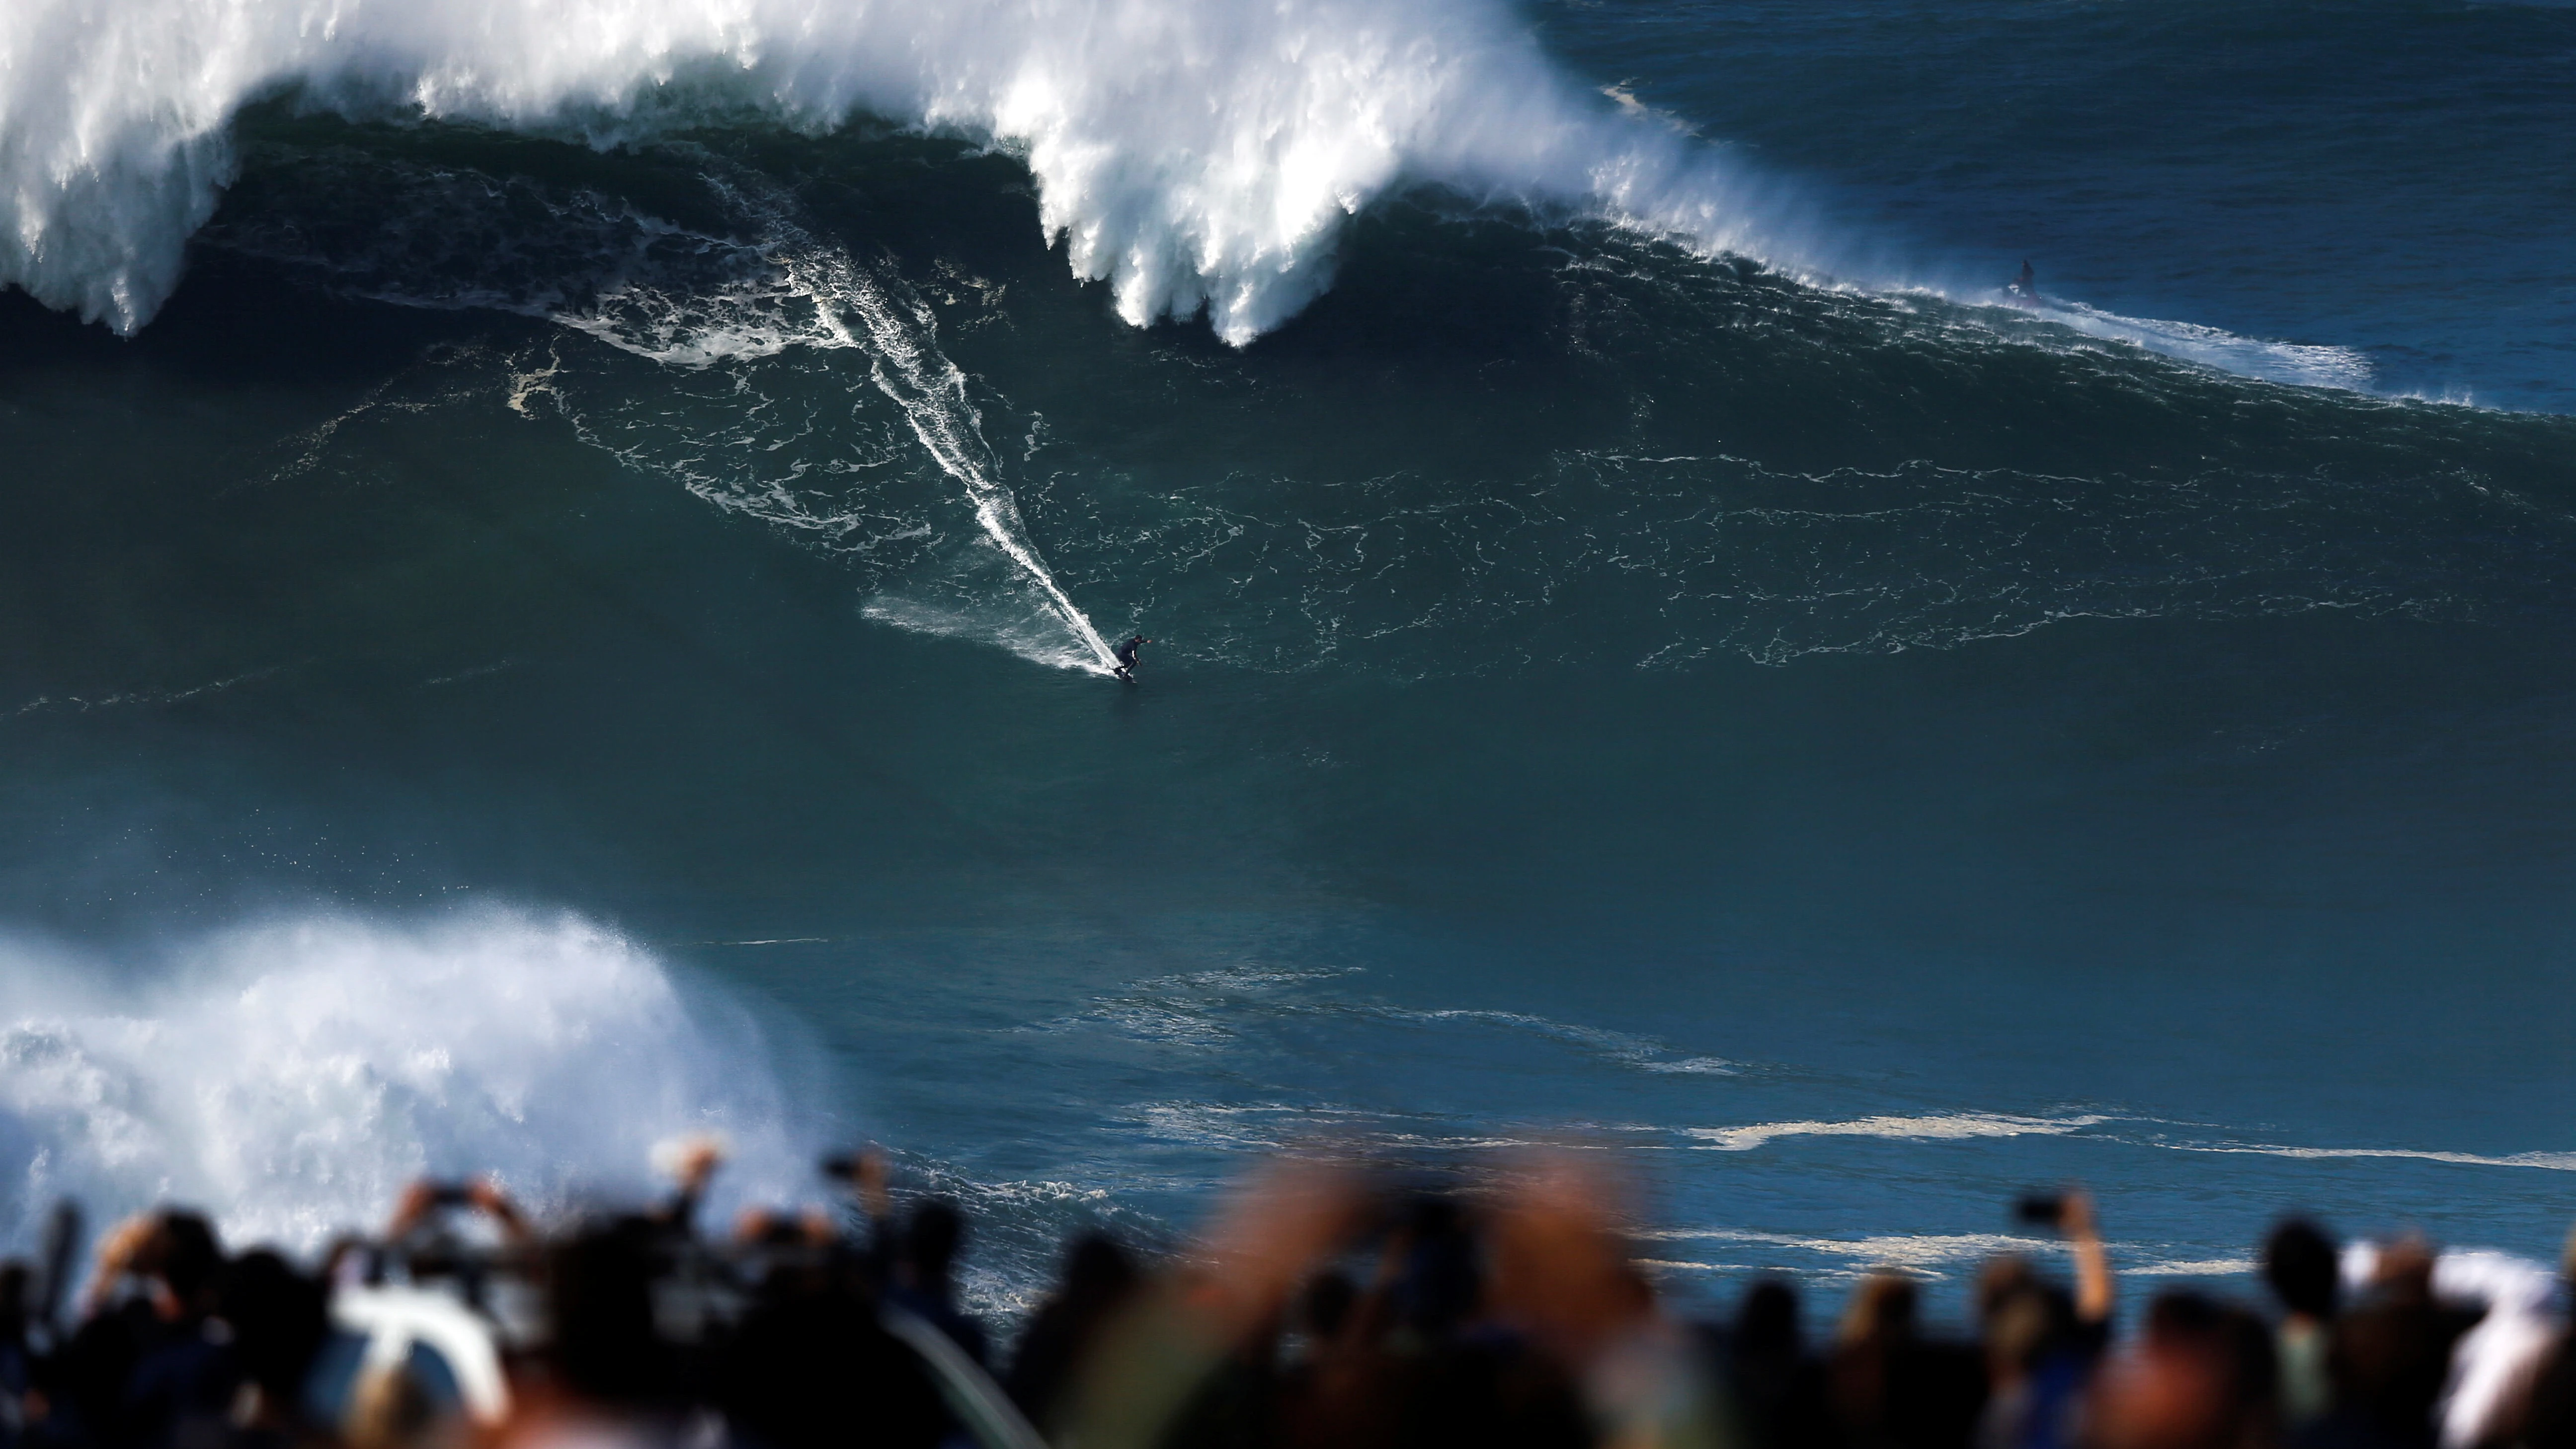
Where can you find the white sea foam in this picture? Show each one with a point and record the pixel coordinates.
(1929, 1255)
(2300, 364)
(1194, 155)
(1926, 1254)
(1644, 1053)
(1953, 1126)
(289, 1078)
(2190, 1268)
(2549, 1161)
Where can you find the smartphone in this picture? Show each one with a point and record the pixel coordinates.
(2039, 1209)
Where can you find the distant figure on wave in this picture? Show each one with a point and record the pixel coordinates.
(1126, 653)
(2024, 288)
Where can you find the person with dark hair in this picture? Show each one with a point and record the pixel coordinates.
(1778, 1387)
(925, 1273)
(278, 1320)
(810, 1351)
(1896, 1388)
(2389, 1358)
(599, 1308)
(145, 1371)
(2038, 1357)
(2201, 1376)
(2041, 1342)
(1126, 654)
(2497, 1311)
(17, 1355)
(2299, 1264)
(1099, 1277)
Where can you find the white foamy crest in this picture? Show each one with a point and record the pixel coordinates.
(291, 1078)
(1947, 1127)
(1192, 155)
(2299, 364)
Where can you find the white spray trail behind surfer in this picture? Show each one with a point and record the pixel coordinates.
(792, 289)
(909, 369)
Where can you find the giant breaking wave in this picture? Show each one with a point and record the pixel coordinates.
(1196, 154)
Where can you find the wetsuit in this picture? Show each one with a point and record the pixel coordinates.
(1127, 654)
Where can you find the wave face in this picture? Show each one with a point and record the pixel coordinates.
(1195, 156)
(1572, 442)
(291, 1078)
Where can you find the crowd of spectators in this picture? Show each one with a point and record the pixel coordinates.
(1326, 1308)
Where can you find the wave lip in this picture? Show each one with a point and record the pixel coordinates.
(1194, 156)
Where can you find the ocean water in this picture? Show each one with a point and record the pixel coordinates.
(554, 570)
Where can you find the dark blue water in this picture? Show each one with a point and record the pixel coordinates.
(1849, 752)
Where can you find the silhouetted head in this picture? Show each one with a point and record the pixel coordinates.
(2021, 1315)
(1098, 1269)
(931, 1238)
(185, 1255)
(2201, 1376)
(1882, 1310)
(2000, 1279)
(279, 1319)
(1766, 1322)
(1442, 1284)
(1326, 1304)
(16, 1299)
(2392, 1353)
(599, 1292)
(2299, 1263)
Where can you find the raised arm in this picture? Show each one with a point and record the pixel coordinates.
(2094, 1294)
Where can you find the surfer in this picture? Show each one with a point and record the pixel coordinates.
(1126, 653)
(2024, 287)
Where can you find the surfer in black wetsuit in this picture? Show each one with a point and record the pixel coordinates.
(1127, 656)
(2024, 287)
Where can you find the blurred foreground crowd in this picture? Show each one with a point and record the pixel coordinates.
(1326, 1308)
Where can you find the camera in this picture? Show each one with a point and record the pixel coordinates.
(2040, 1209)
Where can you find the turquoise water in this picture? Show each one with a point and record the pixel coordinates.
(1849, 751)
